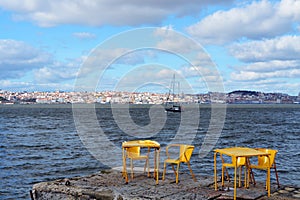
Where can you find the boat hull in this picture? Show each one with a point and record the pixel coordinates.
(173, 107)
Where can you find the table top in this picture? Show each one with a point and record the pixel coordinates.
(241, 151)
(141, 143)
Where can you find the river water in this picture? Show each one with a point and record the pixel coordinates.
(47, 142)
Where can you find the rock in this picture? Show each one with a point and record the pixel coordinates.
(110, 185)
(296, 195)
(297, 191)
(283, 191)
(290, 189)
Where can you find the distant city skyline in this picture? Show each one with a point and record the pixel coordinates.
(239, 45)
(114, 97)
(62, 91)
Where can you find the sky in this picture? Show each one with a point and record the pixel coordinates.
(220, 45)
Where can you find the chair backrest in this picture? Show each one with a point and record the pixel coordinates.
(133, 152)
(240, 161)
(263, 160)
(185, 152)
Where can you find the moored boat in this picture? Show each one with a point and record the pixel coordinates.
(172, 104)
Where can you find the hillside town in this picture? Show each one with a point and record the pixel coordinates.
(114, 97)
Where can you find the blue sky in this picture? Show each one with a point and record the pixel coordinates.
(245, 45)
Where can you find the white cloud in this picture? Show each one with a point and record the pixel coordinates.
(14, 85)
(282, 48)
(56, 73)
(84, 35)
(24, 67)
(254, 76)
(290, 8)
(17, 58)
(271, 66)
(257, 20)
(153, 75)
(102, 12)
(175, 42)
(133, 57)
(30, 86)
(103, 58)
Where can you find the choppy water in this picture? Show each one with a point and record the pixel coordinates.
(41, 143)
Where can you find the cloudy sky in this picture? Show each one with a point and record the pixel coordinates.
(47, 45)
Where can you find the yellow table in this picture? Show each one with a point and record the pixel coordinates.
(236, 152)
(143, 144)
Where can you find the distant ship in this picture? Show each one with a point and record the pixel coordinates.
(172, 104)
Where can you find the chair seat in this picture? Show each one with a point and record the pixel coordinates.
(230, 165)
(138, 157)
(172, 161)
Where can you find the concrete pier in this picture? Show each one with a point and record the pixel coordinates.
(109, 185)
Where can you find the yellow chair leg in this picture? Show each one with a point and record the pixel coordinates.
(276, 175)
(267, 181)
(173, 169)
(147, 166)
(240, 174)
(163, 178)
(131, 166)
(245, 177)
(222, 176)
(177, 172)
(191, 171)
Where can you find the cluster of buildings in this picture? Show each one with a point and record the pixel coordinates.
(114, 97)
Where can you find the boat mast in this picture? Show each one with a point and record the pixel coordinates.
(173, 83)
(172, 90)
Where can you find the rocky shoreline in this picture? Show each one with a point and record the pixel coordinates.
(109, 185)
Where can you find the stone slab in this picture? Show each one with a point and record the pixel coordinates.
(111, 185)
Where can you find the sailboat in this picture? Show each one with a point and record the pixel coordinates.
(171, 104)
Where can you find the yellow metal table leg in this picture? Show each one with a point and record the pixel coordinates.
(157, 164)
(235, 170)
(215, 171)
(269, 188)
(124, 173)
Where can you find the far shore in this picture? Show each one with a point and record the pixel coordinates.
(132, 106)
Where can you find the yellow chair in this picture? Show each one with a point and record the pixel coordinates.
(185, 153)
(263, 162)
(133, 153)
(241, 162)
